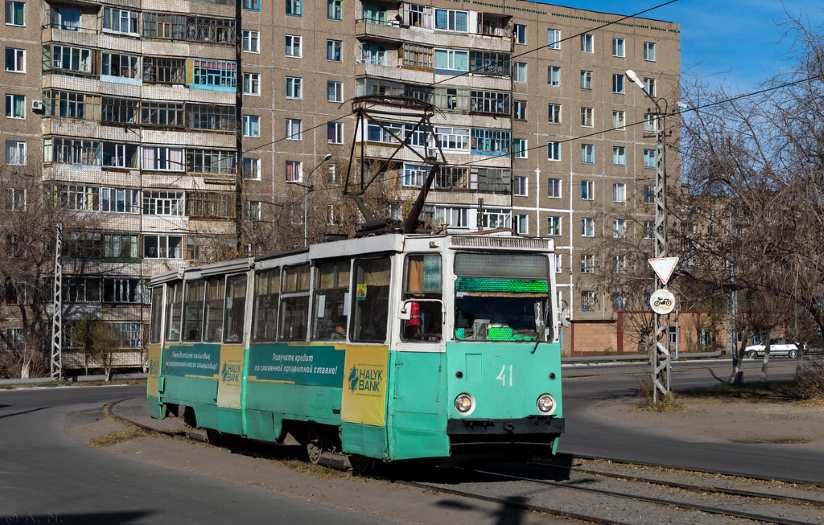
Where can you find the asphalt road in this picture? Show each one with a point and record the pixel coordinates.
(584, 386)
(45, 477)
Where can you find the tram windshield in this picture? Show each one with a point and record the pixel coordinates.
(500, 297)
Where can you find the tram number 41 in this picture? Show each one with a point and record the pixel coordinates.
(505, 375)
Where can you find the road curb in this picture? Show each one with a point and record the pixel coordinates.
(109, 411)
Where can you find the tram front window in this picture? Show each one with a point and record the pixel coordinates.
(500, 297)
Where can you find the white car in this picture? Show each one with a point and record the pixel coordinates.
(778, 348)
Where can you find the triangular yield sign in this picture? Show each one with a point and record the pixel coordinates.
(663, 267)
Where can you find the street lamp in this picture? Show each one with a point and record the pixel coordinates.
(661, 369)
(306, 189)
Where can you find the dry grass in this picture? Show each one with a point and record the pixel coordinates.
(118, 436)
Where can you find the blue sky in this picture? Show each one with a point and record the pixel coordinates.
(736, 44)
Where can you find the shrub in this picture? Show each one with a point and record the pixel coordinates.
(809, 380)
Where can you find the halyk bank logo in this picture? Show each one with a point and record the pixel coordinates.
(365, 380)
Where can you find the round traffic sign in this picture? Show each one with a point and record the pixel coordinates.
(662, 301)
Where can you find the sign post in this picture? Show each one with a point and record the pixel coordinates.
(662, 302)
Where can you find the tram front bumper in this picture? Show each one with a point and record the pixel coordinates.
(527, 430)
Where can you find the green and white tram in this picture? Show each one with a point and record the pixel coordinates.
(391, 347)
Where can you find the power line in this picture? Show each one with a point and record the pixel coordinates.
(550, 45)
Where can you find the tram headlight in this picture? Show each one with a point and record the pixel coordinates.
(464, 403)
(546, 403)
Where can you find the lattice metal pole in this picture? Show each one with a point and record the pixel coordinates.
(57, 304)
(661, 369)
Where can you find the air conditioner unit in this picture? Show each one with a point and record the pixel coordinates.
(37, 105)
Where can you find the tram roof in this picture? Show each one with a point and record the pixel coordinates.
(386, 243)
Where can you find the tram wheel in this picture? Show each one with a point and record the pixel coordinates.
(314, 450)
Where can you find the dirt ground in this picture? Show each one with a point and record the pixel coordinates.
(723, 420)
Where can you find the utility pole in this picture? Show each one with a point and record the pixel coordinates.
(57, 304)
(736, 373)
(660, 359)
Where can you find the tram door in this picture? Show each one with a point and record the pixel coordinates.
(419, 393)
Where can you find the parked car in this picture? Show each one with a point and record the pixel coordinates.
(778, 348)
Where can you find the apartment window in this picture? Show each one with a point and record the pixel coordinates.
(294, 7)
(293, 46)
(211, 161)
(119, 20)
(334, 50)
(553, 226)
(162, 114)
(618, 47)
(587, 263)
(251, 5)
(15, 153)
(618, 83)
(649, 194)
(254, 210)
(553, 188)
(485, 140)
(588, 43)
(294, 171)
(619, 228)
(451, 60)
(164, 70)
(15, 60)
(587, 190)
(650, 158)
(519, 110)
(65, 17)
(76, 59)
(15, 13)
(649, 229)
(649, 51)
(554, 113)
(493, 218)
(293, 129)
(332, 174)
(522, 224)
(163, 158)
(251, 83)
(251, 125)
(519, 186)
(117, 155)
(334, 9)
(619, 192)
(553, 151)
(165, 25)
(251, 41)
(294, 87)
(209, 30)
(587, 117)
(490, 102)
(520, 34)
(586, 79)
(452, 20)
(650, 87)
(554, 75)
(451, 217)
(210, 116)
(619, 155)
(589, 301)
(162, 246)
(520, 72)
(334, 132)
(490, 63)
(454, 139)
(334, 91)
(16, 199)
(165, 203)
(414, 175)
(553, 38)
(117, 110)
(520, 148)
(587, 227)
(117, 65)
(251, 168)
(588, 153)
(650, 122)
(16, 106)
(619, 263)
(214, 74)
(619, 120)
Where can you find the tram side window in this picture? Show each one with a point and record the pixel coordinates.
(370, 308)
(234, 307)
(157, 313)
(331, 297)
(214, 310)
(193, 311)
(174, 300)
(267, 290)
(294, 304)
(422, 298)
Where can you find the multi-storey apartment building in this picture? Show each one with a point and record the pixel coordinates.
(127, 109)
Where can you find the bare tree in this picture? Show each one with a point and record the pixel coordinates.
(97, 340)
